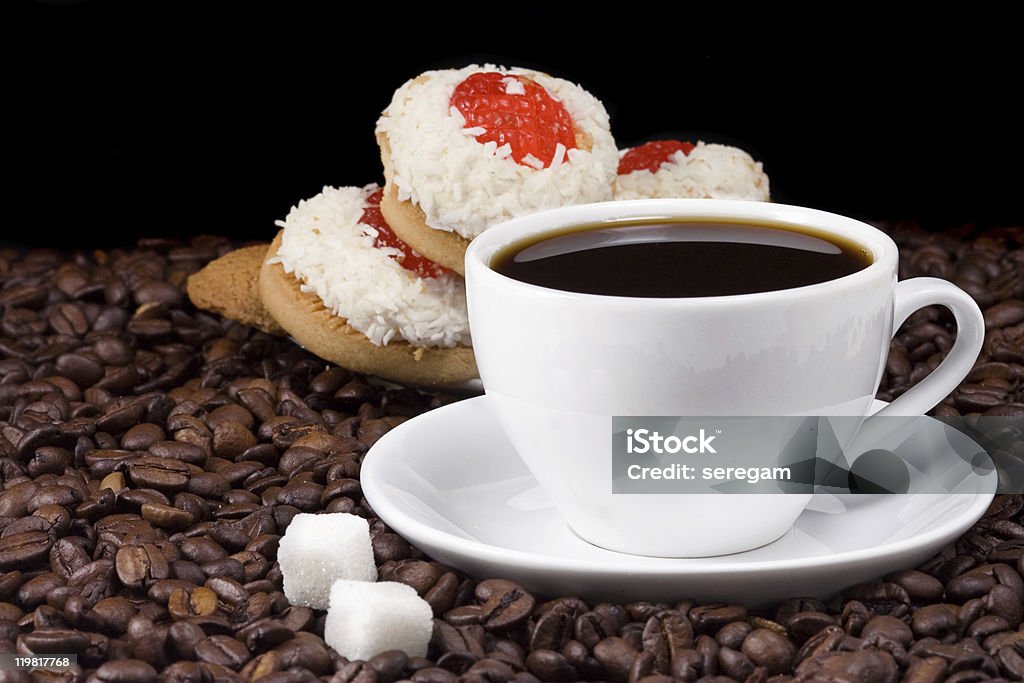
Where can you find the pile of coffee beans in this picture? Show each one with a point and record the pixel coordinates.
(152, 455)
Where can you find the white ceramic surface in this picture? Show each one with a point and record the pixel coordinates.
(558, 365)
(450, 482)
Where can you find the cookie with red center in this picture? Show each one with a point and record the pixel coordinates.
(469, 148)
(651, 155)
(515, 111)
(340, 282)
(676, 168)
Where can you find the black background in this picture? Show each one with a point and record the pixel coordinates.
(164, 119)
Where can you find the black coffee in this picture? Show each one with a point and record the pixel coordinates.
(680, 259)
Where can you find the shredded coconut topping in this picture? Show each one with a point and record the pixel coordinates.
(463, 186)
(325, 245)
(514, 86)
(709, 170)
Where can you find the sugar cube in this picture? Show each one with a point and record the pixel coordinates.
(365, 619)
(316, 550)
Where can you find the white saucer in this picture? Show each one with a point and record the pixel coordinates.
(450, 482)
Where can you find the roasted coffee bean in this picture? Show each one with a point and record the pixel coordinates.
(126, 671)
(935, 621)
(803, 625)
(709, 618)
(707, 649)
(768, 649)
(24, 550)
(920, 587)
(733, 634)
(177, 450)
(879, 597)
(53, 641)
(734, 664)
(354, 672)
(67, 556)
(434, 675)
(141, 436)
(1005, 602)
(592, 627)
(307, 651)
(15, 499)
(166, 516)
(888, 628)
(389, 665)
(864, 665)
(183, 672)
(139, 564)
(224, 651)
(617, 656)
(264, 634)
(667, 634)
(160, 473)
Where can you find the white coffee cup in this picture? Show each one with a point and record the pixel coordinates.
(557, 365)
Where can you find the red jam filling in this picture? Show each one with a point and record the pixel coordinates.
(651, 155)
(532, 123)
(408, 259)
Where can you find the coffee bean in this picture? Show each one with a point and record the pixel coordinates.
(157, 291)
(166, 517)
(67, 556)
(53, 641)
(935, 621)
(927, 670)
(355, 672)
(389, 665)
(709, 618)
(307, 651)
(176, 450)
(733, 634)
(434, 675)
(126, 671)
(159, 473)
(865, 665)
(734, 664)
(888, 628)
(14, 500)
(667, 634)
(224, 651)
(920, 587)
(770, 650)
(617, 656)
(804, 625)
(139, 564)
(24, 550)
(1002, 601)
(550, 666)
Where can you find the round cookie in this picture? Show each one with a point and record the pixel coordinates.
(469, 148)
(409, 222)
(228, 286)
(673, 168)
(302, 314)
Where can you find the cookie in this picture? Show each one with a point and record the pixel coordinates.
(674, 168)
(305, 317)
(228, 287)
(464, 149)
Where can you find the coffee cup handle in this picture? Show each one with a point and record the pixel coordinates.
(914, 294)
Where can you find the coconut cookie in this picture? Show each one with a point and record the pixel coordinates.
(339, 281)
(228, 286)
(672, 168)
(468, 148)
